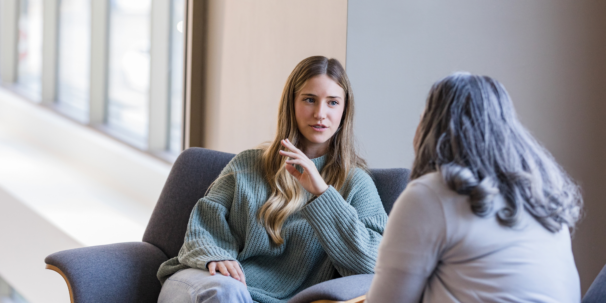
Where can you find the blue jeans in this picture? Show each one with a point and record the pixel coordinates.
(198, 286)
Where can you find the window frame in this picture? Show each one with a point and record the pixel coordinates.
(159, 92)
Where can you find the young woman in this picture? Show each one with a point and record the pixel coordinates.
(283, 218)
(488, 214)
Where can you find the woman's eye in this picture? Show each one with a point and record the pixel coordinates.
(309, 100)
(333, 103)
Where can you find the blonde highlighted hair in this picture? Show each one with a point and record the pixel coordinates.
(287, 195)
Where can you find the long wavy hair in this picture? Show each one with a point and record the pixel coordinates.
(470, 134)
(287, 195)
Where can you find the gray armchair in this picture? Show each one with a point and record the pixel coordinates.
(126, 272)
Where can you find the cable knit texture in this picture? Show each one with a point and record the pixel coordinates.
(335, 232)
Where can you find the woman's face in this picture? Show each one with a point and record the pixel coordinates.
(319, 107)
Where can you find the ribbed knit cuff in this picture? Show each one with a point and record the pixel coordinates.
(327, 209)
(200, 256)
(220, 260)
(209, 259)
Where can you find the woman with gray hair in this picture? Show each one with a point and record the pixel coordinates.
(488, 215)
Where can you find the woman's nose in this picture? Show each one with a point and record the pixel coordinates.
(320, 111)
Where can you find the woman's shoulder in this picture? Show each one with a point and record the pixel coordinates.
(422, 201)
(359, 172)
(428, 191)
(431, 182)
(245, 161)
(249, 154)
(431, 191)
(358, 182)
(247, 157)
(360, 177)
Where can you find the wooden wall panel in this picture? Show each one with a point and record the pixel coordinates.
(251, 49)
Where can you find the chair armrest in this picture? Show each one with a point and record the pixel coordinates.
(346, 289)
(122, 272)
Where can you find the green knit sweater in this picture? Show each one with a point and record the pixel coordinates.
(335, 232)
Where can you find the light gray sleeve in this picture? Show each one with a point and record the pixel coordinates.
(411, 248)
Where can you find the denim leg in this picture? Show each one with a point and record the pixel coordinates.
(198, 286)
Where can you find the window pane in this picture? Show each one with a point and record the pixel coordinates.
(29, 74)
(129, 64)
(74, 58)
(176, 77)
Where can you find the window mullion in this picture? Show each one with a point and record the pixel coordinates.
(50, 19)
(9, 23)
(98, 61)
(159, 75)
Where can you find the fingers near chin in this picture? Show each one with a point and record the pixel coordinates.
(291, 169)
(289, 145)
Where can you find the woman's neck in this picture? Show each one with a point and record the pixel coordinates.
(314, 150)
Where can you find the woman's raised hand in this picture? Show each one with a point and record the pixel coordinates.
(227, 268)
(310, 178)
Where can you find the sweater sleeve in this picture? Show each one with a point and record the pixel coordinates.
(208, 237)
(415, 237)
(350, 229)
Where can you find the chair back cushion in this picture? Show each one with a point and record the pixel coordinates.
(194, 171)
(390, 183)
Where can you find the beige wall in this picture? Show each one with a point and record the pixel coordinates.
(550, 55)
(253, 47)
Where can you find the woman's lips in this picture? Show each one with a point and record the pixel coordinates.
(319, 128)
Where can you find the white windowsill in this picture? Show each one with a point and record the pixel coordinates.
(89, 187)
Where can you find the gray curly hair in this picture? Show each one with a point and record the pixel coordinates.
(470, 134)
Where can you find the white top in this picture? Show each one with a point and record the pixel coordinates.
(435, 249)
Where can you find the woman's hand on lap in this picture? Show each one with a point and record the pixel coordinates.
(227, 268)
(310, 178)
